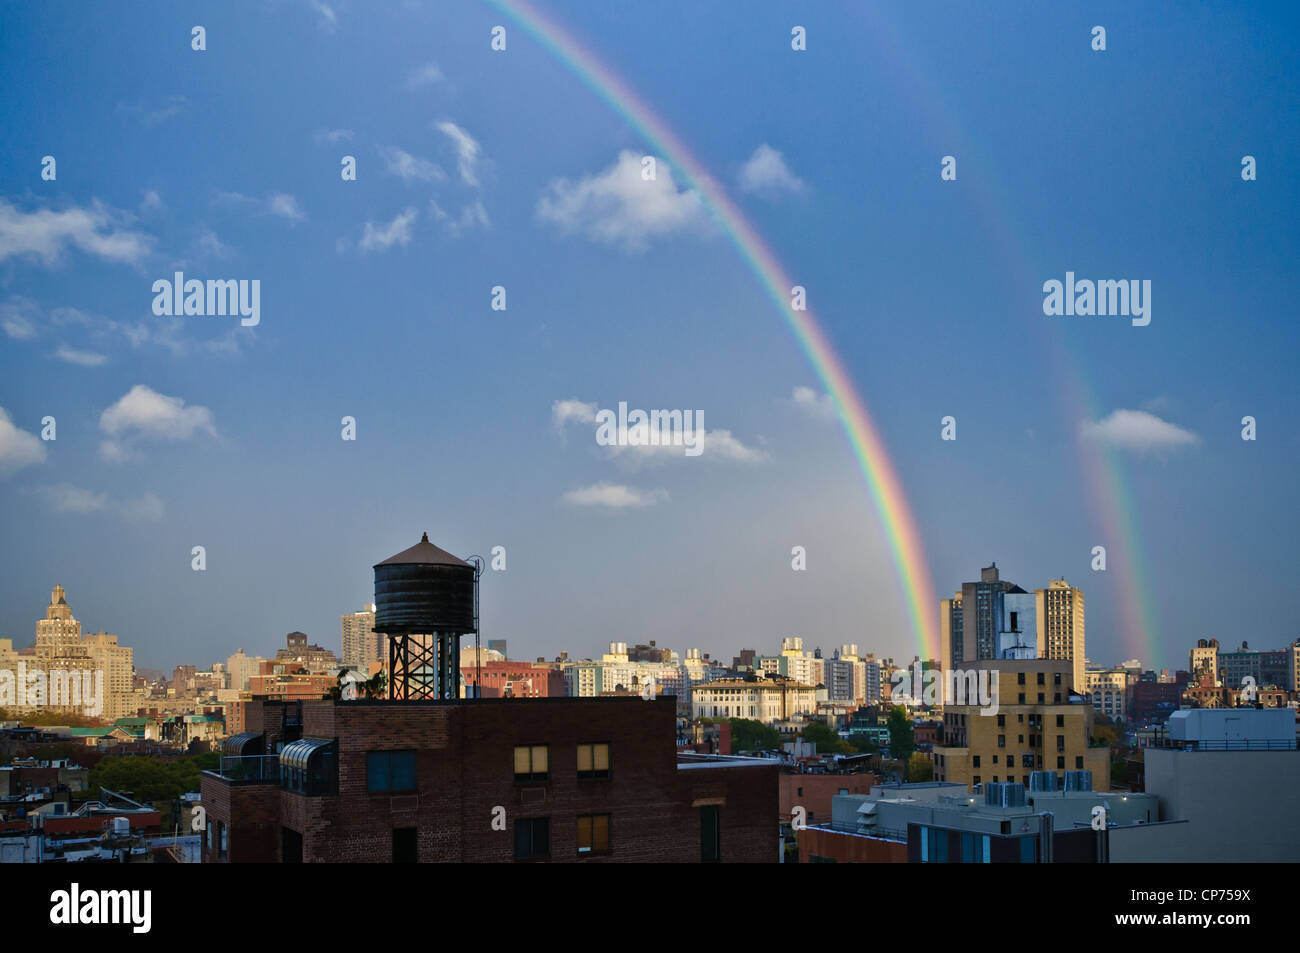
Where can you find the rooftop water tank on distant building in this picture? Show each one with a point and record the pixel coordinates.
(424, 602)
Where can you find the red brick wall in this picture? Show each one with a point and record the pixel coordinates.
(465, 768)
(849, 848)
(818, 789)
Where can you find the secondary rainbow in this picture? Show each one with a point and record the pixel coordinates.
(882, 481)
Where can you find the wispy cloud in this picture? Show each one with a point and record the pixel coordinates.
(150, 116)
(472, 215)
(411, 168)
(67, 498)
(18, 318)
(383, 237)
(467, 151)
(765, 173)
(72, 355)
(1138, 431)
(614, 496)
(279, 204)
(814, 404)
(426, 75)
(95, 229)
(330, 137)
(618, 207)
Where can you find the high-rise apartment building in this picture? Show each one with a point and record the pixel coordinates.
(118, 665)
(994, 619)
(362, 645)
(1061, 626)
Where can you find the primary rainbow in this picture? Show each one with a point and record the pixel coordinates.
(885, 488)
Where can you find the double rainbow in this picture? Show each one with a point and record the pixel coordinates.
(882, 481)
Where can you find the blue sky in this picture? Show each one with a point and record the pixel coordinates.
(478, 169)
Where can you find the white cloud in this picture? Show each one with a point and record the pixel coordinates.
(144, 509)
(152, 202)
(813, 403)
(411, 168)
(328, 19)
(658, 438)
(618, 207)
(330, 137)
(473, 214)
(467, 151)
(280, 204)
(614, 496)
(72, 355)
(66, 498)
(44, 234)
(425, 75)
(384, 237)
(209, 245)
(18, 448)
(563, 411)
(145, 412)
(765, 173)
(17, 318)
(1139, 431)
(286, 206)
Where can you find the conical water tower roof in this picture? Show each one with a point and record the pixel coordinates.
(423, 553)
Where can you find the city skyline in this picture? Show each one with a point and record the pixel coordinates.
(477, 171)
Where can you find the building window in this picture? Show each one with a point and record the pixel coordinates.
(995, 759)
(532, 762)
(1041, 680)
(1002, 721)
(532, 838)
(1060, 763)
(593, 834)
(1078, 762)
(390, 771)
(593, 761)
(221, 840)
(1020, 678)
(976, 763)
(975, 779)
(1002, 741)
(405, 849)
(1056, 679)
(1060, 721)
(710, 834)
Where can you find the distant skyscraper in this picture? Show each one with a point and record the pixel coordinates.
(498, 645)
(1061, 626)
(359, 642)
(981, 622)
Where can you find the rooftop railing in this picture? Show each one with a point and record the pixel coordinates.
(254, 767)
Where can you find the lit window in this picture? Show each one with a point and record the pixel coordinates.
(532, 763)
(593, 834)
(593, 761)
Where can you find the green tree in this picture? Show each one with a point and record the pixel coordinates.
(749, 735)
(919, 767)
(901, 744)
(827, 740)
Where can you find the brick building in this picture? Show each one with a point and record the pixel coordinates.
(558, 779)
